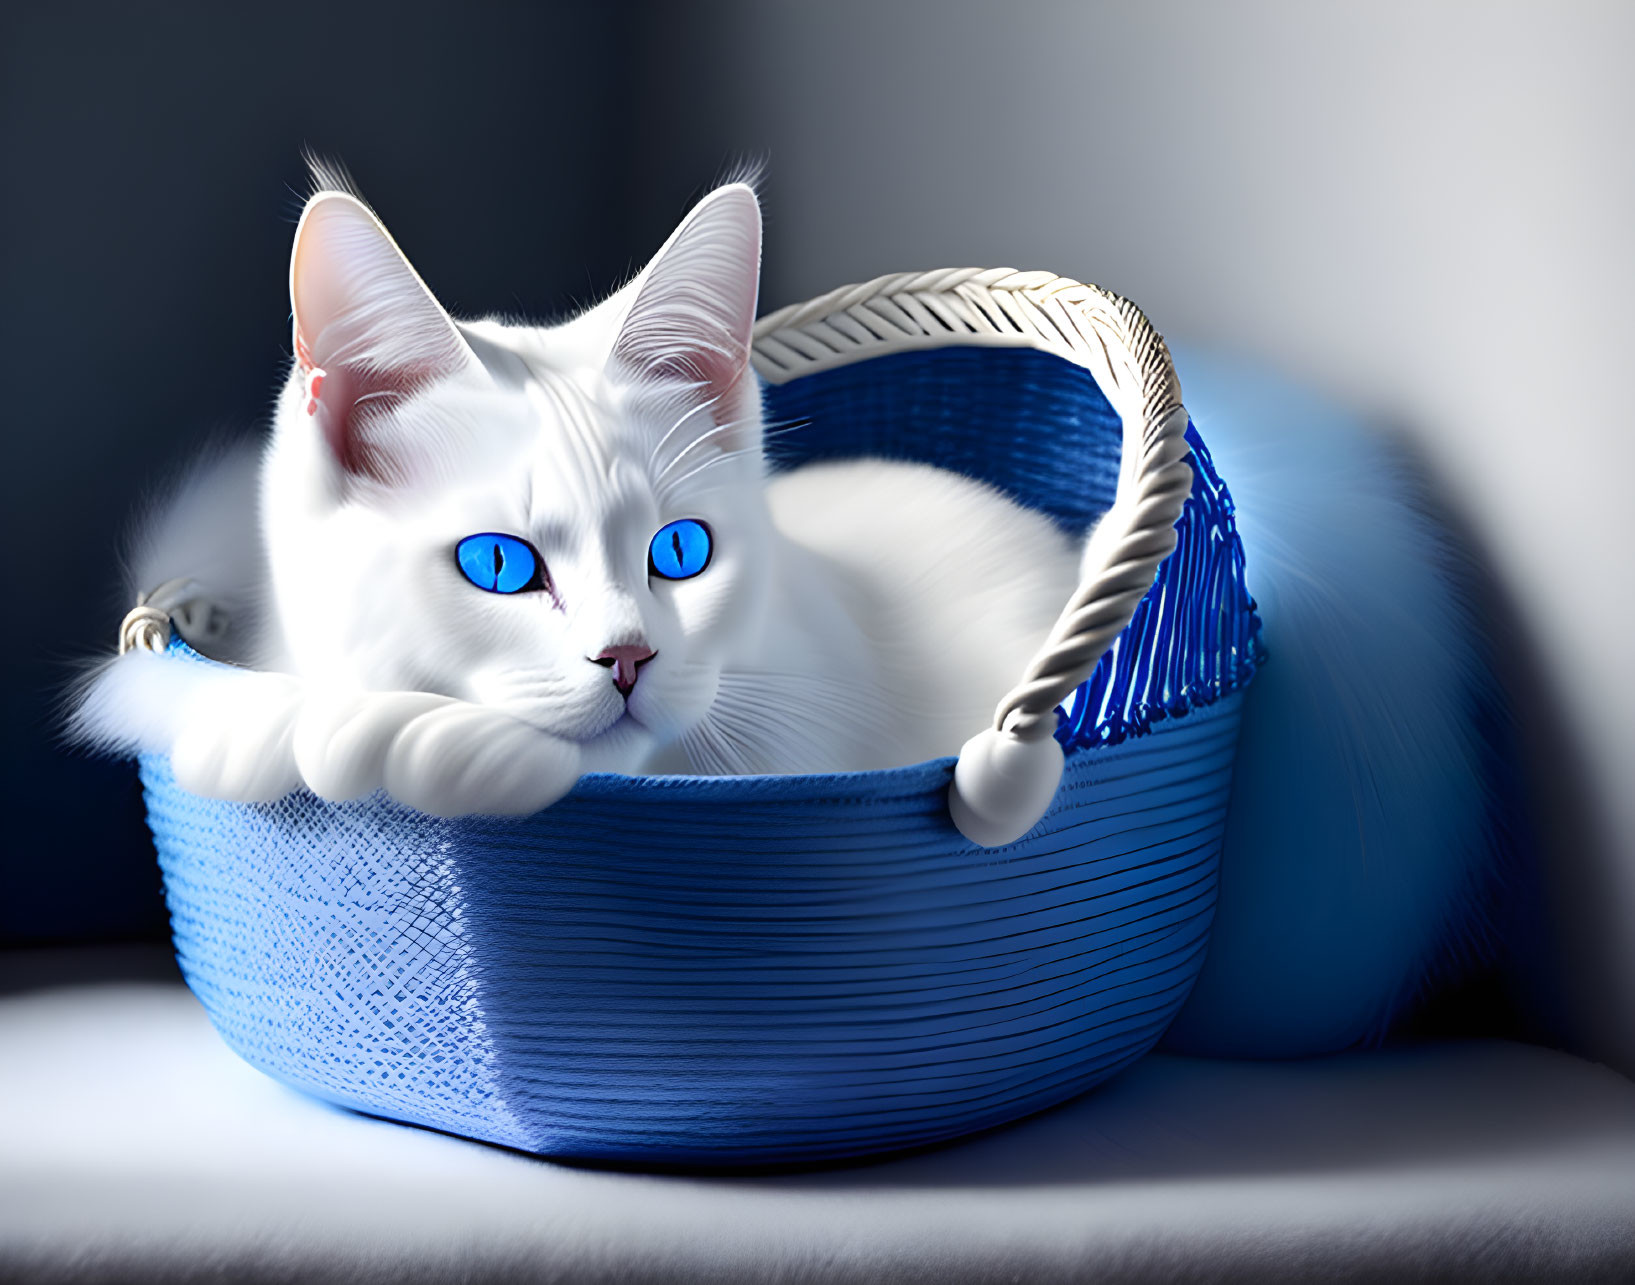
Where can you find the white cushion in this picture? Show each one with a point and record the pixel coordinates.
(132, 1142)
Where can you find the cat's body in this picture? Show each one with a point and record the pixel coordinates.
(918, 599)
(850, 616)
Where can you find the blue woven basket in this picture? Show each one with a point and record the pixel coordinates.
(732, 970)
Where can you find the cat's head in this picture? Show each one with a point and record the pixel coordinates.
(565, 522)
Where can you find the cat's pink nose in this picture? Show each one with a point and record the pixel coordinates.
(624, 660)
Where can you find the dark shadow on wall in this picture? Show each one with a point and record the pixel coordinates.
(524, 156)
(1551, 843)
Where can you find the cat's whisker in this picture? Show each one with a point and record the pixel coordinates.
(670, 432)
(781, 428)
(702, 439)
(732, 740)
(767, 432)
(765, 716)
(753, 448)
(669, 486)
(386, 393)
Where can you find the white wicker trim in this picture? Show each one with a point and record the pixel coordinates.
(997, 796)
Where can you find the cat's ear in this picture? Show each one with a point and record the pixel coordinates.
(367, 330)
(694, 309)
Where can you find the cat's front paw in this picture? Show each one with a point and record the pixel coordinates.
(342, 737)
(457, 758)
(234, 739)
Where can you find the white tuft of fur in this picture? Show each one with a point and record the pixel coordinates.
(139, 703)
(202, 529)
(199, 532)
(327, 174)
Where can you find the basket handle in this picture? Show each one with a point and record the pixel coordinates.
(179, 603)
(1008, 773)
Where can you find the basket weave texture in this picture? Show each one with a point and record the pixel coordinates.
(706, 970)
(779, 969)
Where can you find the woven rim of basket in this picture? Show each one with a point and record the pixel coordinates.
(1091, 327)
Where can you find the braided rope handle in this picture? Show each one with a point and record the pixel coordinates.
(1007, 775)
(147, 626)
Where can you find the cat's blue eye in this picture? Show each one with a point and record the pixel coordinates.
(680, 550)
(499, 563)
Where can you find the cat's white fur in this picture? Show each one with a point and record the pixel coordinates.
(854, 615)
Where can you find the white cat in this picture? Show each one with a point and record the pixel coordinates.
(499, 556)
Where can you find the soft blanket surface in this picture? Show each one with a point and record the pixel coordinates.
(134, 1145)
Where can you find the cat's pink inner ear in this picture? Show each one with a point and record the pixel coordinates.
(367, 330)
(694, 312)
